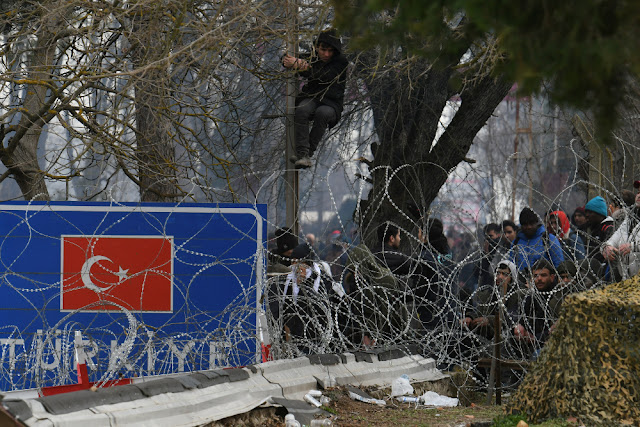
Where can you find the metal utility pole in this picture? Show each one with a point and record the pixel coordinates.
(515, 162)
(528, 131)
(291, 174)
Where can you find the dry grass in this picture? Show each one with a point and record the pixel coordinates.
(350, 413)
(354, 413)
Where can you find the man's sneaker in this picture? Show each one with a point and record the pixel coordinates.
(303, 163)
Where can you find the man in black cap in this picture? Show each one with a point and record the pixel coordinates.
(321, 99)
(533, 242)
(280, 259)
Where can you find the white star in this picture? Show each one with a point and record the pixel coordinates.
(122, 274)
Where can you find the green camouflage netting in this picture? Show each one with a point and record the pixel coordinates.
(590, 368)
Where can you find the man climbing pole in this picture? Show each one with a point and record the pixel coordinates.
(320, 99)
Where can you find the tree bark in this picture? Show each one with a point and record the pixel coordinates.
(407, 108)
(20, 154)
(155, 150)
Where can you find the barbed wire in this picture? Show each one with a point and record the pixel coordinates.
(223, 88)
(349, 302)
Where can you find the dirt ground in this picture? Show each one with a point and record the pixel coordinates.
(347, 412)
(352, 413)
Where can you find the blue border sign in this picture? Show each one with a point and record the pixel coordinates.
(153, 288)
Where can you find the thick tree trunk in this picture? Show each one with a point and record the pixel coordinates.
(20, 155)
(155, 150)
(407, 109)
(22, 163)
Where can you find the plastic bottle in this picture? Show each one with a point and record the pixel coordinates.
(290, 421)
(322, 423)
(312, 400)
(356, 396)
(408, 399)
(329, 381)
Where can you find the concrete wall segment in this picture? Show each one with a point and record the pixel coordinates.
(201, 397)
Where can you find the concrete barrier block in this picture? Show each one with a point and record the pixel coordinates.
(348, 358)
(274, 366)
(206, 396)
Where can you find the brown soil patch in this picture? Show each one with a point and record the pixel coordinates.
(352, 413)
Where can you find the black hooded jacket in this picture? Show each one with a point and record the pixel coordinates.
(326, 81)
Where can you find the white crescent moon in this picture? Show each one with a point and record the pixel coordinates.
(85, 273)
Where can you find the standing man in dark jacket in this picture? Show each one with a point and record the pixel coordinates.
(541, 308)
(600, 227)
(389, 253)
(321, 98)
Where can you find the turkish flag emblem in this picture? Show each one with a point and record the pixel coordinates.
(108, 273)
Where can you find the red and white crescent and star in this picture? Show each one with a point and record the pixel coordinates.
(85, 274)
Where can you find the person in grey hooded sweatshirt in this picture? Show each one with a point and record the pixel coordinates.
(505, 293)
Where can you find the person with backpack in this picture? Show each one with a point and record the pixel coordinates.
(533, 243)
(372, 314)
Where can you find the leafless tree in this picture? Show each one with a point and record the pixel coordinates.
(167, 94)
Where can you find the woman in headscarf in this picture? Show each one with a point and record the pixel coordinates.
(572, 245)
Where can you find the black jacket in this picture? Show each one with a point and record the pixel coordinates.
(395, 260)
(596, 236)
(326, 81)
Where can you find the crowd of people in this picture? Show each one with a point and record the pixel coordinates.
(344, 295)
